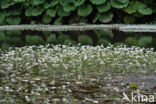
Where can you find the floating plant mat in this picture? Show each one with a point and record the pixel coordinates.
(63, 74)
(82, 27)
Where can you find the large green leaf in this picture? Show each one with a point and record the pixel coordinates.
(46, 19)
(19, 0)
(52, 3)
(68, 5)
(6, 3)
(37, 2)
(143, 9)
(131, 8)
(85, 10)
(62, 13)
(98, 2)
(104, 7)
(79, 2)
(36, 11)
(119, 4)
(13, 20)
(58, 21)
(51, 12)
(106, 17)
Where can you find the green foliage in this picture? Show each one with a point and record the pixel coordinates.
(37, 2)
(13, 20)
(68, 5)
(85, 40)
(143, 9)
(51, 12)
(92, 11)
(34, 11)
(46, 19)
(145, 41)
(19, 0)
(34, 40)
(119, 3)
(106, 17)
(131, 8)
(104, 7)
(85, 10)
(6, 4)
(52, 3)
(52, 39)
(98, 2)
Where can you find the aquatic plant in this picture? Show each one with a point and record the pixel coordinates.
(12, 10)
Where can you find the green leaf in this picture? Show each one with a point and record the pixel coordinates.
(104, 7)
(62, 13)
(51, 12)
(85, 10)
(19, 0)
(36, 11)
(106, 17)
(97, 2)
(96, 17)
(50, 4)
(79, 2)
(143, 9)
(58, 21)
(46, 19)
(13, 20)
(68, 5)
(119, 4)
(131, 8)
(6, 4)
(37, 2)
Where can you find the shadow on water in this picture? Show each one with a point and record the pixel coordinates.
(94, 37)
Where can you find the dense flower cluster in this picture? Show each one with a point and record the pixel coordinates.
(61, 57)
